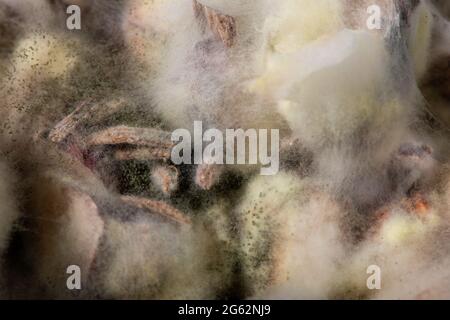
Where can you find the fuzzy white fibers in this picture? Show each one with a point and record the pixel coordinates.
(199, 78)
(234, 7)
(291, 242)
(342, 106)
(293, 246)
(67, 229)
(151, 259)
(63, 223)
(411, 249)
